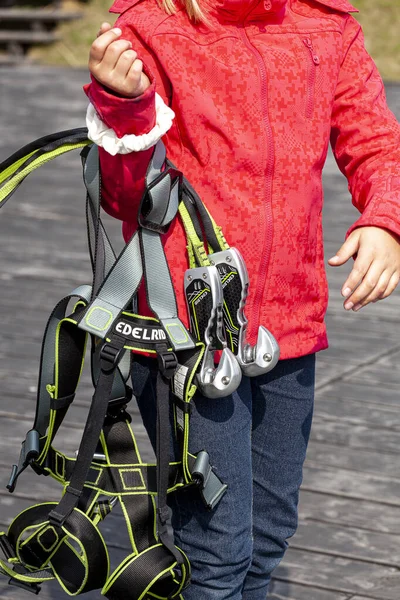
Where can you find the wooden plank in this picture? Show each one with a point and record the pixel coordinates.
(28, 37)
(361, 460)
(373, 516)
(351, 484)
(281, 590)
(355, 412)
(381, 374)
(24, 14)
(355, 436)
(341, 575)
(347, 541)
(350, 391)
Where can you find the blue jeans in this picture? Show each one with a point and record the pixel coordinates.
(257, 440)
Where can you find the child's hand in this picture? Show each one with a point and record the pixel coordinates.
(376, 268)
(113, 62)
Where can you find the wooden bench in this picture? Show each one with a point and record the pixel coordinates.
(33, 16)
(21, 28)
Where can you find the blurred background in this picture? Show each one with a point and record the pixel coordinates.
(76, 22)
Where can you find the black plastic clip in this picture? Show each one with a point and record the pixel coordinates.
(29, 452)
(28, 587)
(167, 361)
(211, 487)
(110, 356)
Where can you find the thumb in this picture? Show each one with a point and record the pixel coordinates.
(347, 250)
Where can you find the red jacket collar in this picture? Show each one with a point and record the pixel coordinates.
(234, 9)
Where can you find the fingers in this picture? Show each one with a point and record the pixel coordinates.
(374, 286)
(114, 63)
(348, 249)
(127, 64)
(393, 283)
(114, 57)
(100, 46)
(360, 268)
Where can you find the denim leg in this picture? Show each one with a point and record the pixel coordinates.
(218, 543)
(282, 413)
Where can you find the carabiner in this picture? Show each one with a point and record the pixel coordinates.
(254, 360)
(204, 298)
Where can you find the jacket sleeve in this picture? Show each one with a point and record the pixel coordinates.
(123, 174)
(365, 136)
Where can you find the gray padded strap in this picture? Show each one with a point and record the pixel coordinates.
(159, 286)
(156, 163)
(124, 277)
(116, 292)
(100, 246)
(160, 291)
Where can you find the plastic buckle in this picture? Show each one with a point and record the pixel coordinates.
(30, 451)
(110, 356)
(28, 587)
(211, 487)
(167, 361)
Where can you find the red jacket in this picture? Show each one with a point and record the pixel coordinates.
(257, 100)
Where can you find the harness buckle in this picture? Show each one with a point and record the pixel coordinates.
(30, 451)
(110, 356)
(167, 361)
(211, 487)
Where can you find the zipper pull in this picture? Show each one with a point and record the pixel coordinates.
(308, 43)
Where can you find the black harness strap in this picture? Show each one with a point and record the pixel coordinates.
(110, 356)
(140, 573)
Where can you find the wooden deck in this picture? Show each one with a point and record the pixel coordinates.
(348, 542)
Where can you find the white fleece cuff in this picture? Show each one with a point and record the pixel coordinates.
(103, 136)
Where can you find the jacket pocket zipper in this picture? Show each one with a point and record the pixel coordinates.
(312, 75)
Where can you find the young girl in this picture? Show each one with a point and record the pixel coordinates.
(247, 95)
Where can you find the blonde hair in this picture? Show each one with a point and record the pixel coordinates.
(195, 12)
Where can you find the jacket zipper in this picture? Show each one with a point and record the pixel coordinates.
(266, 221)
(312, 74)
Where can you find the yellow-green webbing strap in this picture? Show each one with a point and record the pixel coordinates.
(218, 232)
(14, 169)
(15, 180)
(195, 246)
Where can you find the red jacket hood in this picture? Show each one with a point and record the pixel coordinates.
(235, 9)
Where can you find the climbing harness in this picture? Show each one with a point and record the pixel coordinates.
(62, 540)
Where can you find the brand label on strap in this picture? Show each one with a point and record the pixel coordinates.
(179, 382)
(140, 333)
